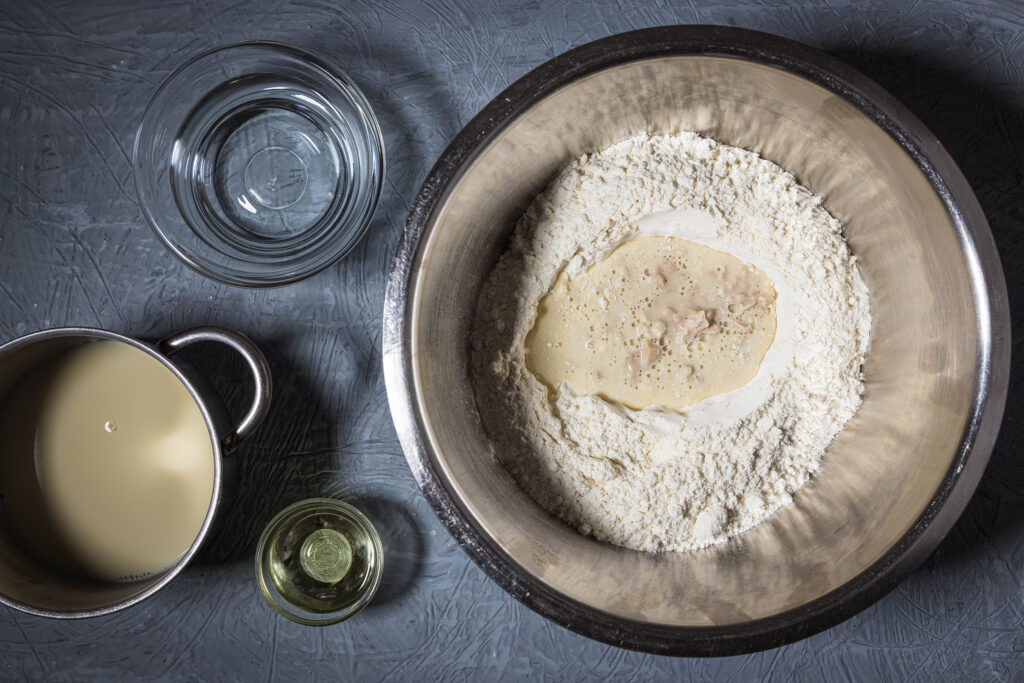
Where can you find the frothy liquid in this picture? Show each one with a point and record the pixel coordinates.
(107, 465)
(661, 321)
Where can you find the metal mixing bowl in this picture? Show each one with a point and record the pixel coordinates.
(894, 480)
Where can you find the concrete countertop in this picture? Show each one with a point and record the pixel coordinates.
(74, 80)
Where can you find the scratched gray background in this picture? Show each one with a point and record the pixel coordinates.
(74, 79)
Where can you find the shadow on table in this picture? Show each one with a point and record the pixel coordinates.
(400, 539)
(279, 463)
(983, 129)
(417, 114)
(396, 83)
(293, 456)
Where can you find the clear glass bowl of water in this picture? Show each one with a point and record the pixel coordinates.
(259, 164)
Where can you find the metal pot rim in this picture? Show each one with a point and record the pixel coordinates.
(989, 292)
(168, 575)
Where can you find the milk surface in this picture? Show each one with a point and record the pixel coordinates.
(107, 465)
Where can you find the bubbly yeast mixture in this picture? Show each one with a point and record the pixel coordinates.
(661, 321)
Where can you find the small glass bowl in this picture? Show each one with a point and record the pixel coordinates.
(259, 164)
(319, 561)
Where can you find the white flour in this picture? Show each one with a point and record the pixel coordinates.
(656, 479)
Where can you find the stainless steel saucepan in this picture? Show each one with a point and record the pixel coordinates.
(34, 587)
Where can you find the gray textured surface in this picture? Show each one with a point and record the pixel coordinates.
(74, 80)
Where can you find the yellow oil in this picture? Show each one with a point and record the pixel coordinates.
(321, 562)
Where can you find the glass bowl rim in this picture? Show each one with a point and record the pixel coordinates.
(147, 187)
(342, 509)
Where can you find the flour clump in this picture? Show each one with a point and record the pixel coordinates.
(678, 478)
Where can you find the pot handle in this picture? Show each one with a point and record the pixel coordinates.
(253, 356)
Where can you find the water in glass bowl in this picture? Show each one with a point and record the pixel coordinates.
(258, 164)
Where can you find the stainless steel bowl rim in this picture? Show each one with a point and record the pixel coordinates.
(989, 293)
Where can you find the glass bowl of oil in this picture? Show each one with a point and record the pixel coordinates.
(319, 561)
(259, 164)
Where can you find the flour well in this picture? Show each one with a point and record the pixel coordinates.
(658, 479)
